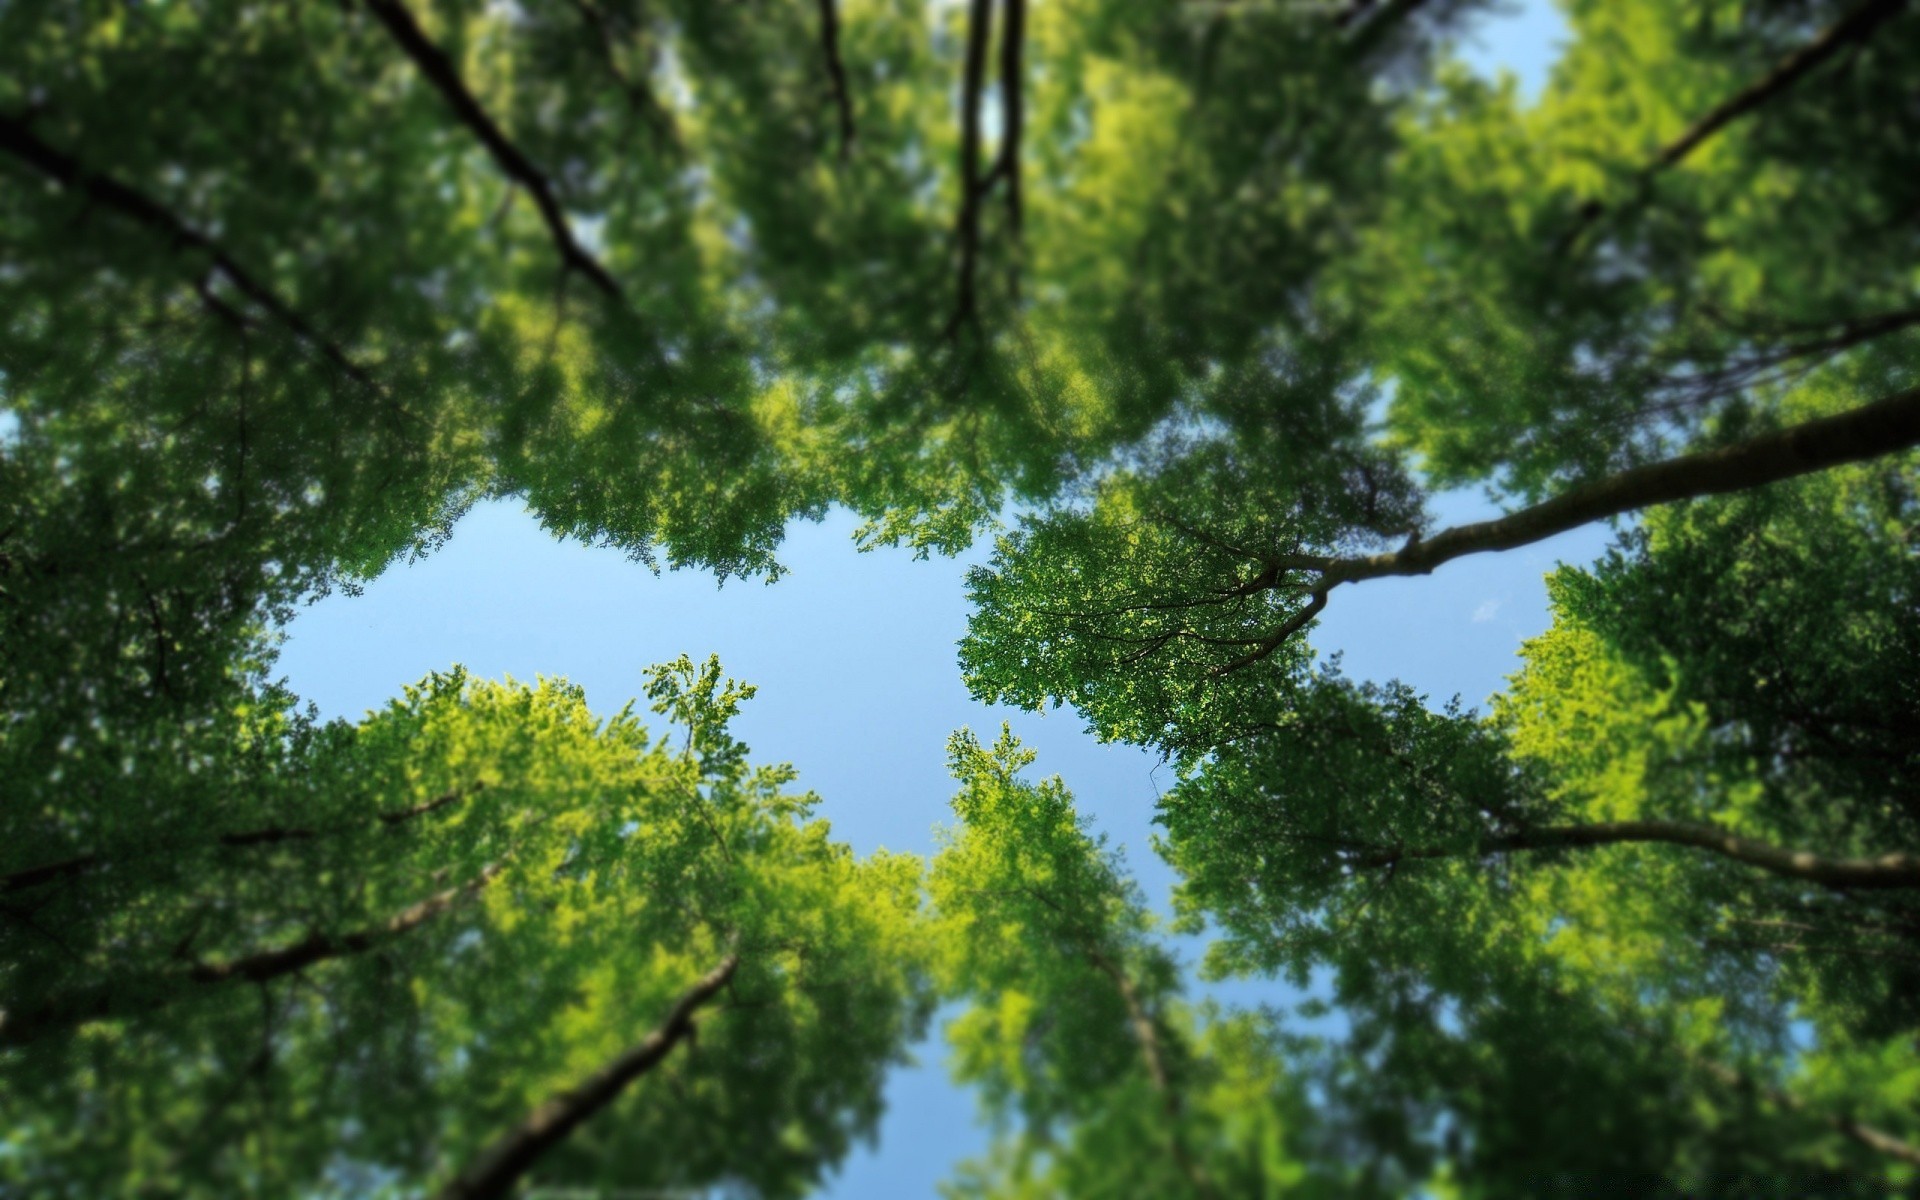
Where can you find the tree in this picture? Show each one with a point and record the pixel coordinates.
(1216, 298)
(490, 969)
(1099, 1080)
(1634, 865)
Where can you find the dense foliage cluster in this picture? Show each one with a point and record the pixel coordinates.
(1192, 307)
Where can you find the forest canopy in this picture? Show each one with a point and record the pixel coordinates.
(1187, 312)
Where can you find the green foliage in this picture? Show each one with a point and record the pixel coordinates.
(1073, 1024)
(284, 289)
(595, 873)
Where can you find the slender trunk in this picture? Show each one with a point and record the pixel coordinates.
(1895, 870)
(979, 30)
(496, 1170)
(1148, 1035)
(837, 74)
(158, 989)
(1012, 98)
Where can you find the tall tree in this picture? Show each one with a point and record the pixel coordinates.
(499, 983)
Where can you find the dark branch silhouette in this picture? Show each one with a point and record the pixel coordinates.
(21, 142)
(1885, 871)
(1856, 26)
(1873, 1139)
(639, 96)
(440, 71)
(837, 74)
(1369, 33)
(154, 990)
(1868, 432)
(495, 1172)
(979, 30)
(1012, 107)
(1871, 431)
(30, 877)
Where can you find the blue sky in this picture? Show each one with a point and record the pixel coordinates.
(854, 655)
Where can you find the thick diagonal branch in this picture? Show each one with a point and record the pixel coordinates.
(445, 77)
(495, 1172)
(837, 73)
(1871, 431)
(1886, 871)
(116, 1000)
(21, 142)
(1854, 27)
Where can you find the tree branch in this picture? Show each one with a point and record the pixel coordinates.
(445, 77)
(268, 835)
(1868, 432)
(493, 1174)
(837, 74)
(21, 142)
(118, 1001)
(1895, 870)
(979, 30)
(1856, 26)
(1012, 101)
(1866, 1135)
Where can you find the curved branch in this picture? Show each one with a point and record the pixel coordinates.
(494, 1173)
(34, 876)
(156, 990)
(21, 142)
(1871, 431)
(1886, 871)
(445, 77)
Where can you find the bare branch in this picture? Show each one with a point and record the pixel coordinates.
(28, 877)
(1146, 1031)
(1874, 1139)
(1012, 101)
(639, 96)
(445, 77)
